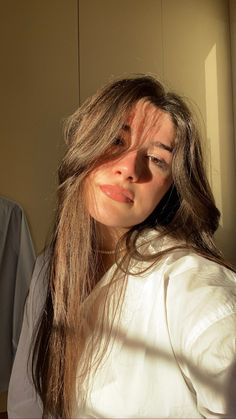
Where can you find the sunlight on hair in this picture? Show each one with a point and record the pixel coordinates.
(212, 126)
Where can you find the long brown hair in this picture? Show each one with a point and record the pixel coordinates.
(66, 340)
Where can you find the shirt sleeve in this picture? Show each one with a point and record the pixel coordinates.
(201, 310)
(23, 402)
(210, 369)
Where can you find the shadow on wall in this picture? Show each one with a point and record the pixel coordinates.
(221, 159)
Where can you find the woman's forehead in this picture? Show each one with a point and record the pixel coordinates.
(144, 113)
(145, 119)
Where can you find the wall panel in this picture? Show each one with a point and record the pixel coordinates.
(197, 63)
(118, 37)
(186, 43)
(39, 87)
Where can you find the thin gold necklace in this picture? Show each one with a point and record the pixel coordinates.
(106, 252)
(110, 252)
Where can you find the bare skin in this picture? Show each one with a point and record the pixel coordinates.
(125, 191)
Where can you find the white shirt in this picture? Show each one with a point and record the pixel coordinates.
(174, 354)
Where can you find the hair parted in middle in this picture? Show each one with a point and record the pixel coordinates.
(62, 355)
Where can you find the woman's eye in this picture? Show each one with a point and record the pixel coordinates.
(118, 141)
(158, 162)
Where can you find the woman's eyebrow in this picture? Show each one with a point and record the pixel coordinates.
(159, 144)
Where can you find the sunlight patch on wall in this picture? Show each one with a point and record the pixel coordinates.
(212, 126)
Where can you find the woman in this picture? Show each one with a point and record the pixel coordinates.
(131, 311)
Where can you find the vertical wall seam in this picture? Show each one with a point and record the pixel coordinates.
(162, 40)
(233, 71)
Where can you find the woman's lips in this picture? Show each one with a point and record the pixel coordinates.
(117, 193)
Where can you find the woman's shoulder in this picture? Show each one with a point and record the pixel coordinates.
(193, 273)
(201, 320)
(188, 266)
(186, 273)
(198, 292)
(200, 296)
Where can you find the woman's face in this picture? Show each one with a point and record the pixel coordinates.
(124, 191)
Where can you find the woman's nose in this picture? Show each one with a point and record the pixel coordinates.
(128, 167)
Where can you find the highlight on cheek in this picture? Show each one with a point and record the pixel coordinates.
(90, 198)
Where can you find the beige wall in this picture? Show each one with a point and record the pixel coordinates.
(184, 42)
(39, 87)
(118, 37)
(197, 62)
(232, 10)
(187, 44)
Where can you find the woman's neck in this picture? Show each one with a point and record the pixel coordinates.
(108, 238)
